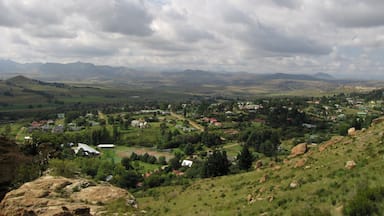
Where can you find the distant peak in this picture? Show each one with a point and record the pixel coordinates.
(19, 78)
(322, 75)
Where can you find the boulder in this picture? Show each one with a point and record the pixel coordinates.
(350, 164)
(300, 163)
(299, 149)
(61, 196)
(259, 164)
(294, 184)
(351, 131)
(277, 167)
(263, 179)
(377, 121)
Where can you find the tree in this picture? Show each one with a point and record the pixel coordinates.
(126, 162)
(188, 149)
(216, 164)
(162, 160)
(174, 163)
(245, 158)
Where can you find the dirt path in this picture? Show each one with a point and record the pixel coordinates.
(193, 123)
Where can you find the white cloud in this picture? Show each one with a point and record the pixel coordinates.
(338, 36)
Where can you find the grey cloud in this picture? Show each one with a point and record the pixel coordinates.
(236, 16)
(165, 45)
(6, 16)
(125, 17)
(50, 32)
(355, 13)
(190, 34)
(79, 50)
(271, 40)
(287, 3)
(17, 14)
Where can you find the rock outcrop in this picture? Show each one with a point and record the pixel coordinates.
(50, 195)
(299, 149)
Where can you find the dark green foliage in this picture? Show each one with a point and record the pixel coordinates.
(188, 149)
(162, 160)
(154, 180)
(367, 201)
(64, 168)
(144, 158)
(210, 139)
(194, 171)
(127, 179)
(245, 158)
(126, 162)
(174, 163)
(263, 140)
(216, 164)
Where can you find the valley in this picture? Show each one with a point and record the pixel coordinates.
(281, 153)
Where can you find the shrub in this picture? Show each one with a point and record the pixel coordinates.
(64, 168)
(365, 202)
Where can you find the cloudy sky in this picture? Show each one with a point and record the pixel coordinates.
(341, 37)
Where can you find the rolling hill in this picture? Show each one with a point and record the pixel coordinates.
(320, 182)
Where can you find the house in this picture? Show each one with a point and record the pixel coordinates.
(186, 163)
(139, 123)
(27, 139)
(58, 129)
(85, 149)
(60, 115)
(105, 146)
(309, 126)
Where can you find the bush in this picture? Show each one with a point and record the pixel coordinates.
(365, 202)
(64, 168)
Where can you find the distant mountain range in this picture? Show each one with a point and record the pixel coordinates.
(188, 82)
(80, 72)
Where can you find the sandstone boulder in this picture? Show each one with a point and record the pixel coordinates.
(294, 184)
(299, 149)
(300, 163)
(259, 164)
(50, 195)
(263, 179)
(351, 131)
(377, 121)
(350, 164)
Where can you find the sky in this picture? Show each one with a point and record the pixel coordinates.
(342, 37)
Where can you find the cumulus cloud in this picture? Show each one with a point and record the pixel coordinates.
(338, 36)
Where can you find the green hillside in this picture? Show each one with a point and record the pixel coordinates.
(315, 183)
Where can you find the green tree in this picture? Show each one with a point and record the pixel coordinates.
(245, 158)
(126, 162)
(188, 149)
(162, 160)
(216, 164)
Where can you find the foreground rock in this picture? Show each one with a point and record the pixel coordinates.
(50, 195)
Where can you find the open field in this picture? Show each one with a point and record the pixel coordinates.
(124, 151)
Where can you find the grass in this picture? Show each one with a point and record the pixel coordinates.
(324, 184)
(125, 151)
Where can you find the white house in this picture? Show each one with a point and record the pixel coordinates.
(187, 163)
(139, 123)
(87, 150)
(106, 146)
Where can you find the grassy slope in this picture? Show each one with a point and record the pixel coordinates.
(326, 184)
